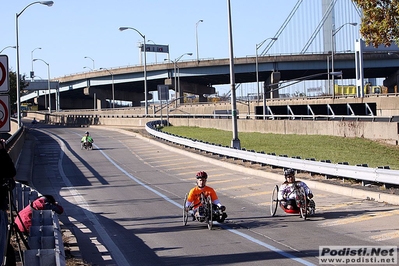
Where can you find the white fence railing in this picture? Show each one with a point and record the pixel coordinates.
(364, 174)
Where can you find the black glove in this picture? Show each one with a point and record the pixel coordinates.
(222, 208)
(310, 195)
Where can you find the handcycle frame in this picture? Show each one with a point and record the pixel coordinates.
(87, 145)
(206, 202)
(301, 202)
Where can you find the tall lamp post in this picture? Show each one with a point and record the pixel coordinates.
(113, 88)
(88, 68)
(17, 15)
(257, 65)
(235, 142)
(88, 57)
(48, 82)
(178, 91)
(145, 67)
(196, 36)
(7, 47)
(155, 52)
(333, 32)
(32, 73)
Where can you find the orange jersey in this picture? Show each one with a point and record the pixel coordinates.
(194, 196)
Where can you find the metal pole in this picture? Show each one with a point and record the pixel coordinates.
(264, 102)
(332, 60)
(17, 74)
(113, 88)
(328, 71)
(31, 56)
(257, 72)
(174, 75)
(257, 46)
(155, 51)
(196, 37)
(49, 87)
(235, 142)
(113, 91)
(92, 61)
(47, 3)
(145, 79)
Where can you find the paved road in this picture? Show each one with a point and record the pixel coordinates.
(123, 202)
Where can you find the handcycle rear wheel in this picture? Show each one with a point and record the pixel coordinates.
(274, 201)
(302, 203)
(185, 211)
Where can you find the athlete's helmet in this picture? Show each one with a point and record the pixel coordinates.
(87, 132)
(201, 174)
(289, 171)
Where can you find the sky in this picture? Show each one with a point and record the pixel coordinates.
(71, 30)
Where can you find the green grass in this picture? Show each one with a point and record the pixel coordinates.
(336, 149)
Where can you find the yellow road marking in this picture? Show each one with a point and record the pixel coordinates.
(252, 194)
(237, 187)
(360, 218)
(386, 236)
(336, 206)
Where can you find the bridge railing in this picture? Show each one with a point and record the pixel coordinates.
(366, 175)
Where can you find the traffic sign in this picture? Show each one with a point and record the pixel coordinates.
(156, 48)
(163, 92)
(4, 114)
(4, 73)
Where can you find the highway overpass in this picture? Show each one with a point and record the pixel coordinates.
(198, 77)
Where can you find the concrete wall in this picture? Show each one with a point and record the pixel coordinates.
(379, 131)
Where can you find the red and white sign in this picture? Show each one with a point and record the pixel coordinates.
(4, 74)
(4, 114)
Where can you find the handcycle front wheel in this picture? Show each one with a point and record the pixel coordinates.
(185, 211)
(303, 204)
(209, 213)
(274, 201)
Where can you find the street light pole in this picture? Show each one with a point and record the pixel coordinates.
(88, 68)
(196, 36)
(178, 77)
(91, 60)
(155, 52)
(257, 46)
(113, 88)
(145, 67)
(7, 47)
(48, 82)
(32, 74)
(235, 142)
(47, 3)
(333, 32)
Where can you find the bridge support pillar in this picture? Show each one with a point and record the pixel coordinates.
(196, 89)
(391, 82)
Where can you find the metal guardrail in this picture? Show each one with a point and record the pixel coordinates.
(45, 237)
(364, 174)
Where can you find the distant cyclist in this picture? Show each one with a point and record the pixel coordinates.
(87, 139)
(194, 198)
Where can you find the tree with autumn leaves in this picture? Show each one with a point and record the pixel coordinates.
(380, 21)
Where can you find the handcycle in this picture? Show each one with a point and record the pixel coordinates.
(87, 145)
(210, 210)
(301, 201)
